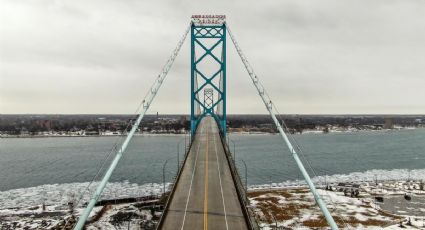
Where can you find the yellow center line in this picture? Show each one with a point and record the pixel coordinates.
(206, 189)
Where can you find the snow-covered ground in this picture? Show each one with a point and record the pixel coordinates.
(61, 194)
(392, 184)
(296, 209)
(25, 206)
(367, 176)
(118, 216)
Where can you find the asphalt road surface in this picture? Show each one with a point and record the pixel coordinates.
(205, 196)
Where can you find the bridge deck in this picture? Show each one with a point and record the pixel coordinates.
(205, 195)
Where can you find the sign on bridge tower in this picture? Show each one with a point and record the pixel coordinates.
(208, 70)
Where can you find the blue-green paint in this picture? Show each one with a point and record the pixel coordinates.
(199, 35)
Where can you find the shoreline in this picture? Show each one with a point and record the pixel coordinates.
(308, 132)
(369, 177)
(289, 207)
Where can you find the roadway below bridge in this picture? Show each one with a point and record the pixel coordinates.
(205, 195)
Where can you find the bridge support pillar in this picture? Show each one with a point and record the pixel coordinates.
(208, 74)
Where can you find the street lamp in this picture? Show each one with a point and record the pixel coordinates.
(178, 151)
(246, 179)
(178, 161)
(234, 149)
(185, 142)
(188, 141)
(246, 175)
(163, 174)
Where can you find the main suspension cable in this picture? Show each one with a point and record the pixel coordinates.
(270, 108)
(301, 152)
(147, 101)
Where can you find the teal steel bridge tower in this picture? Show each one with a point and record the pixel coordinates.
(208, 71)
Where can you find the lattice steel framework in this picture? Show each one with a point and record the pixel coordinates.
(209, 43)
(208, 99)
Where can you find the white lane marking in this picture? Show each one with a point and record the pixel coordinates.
(221, 186)
(191, 180)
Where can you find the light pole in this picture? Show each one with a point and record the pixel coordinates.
(246, 180)
(185, 142)
(163, 174)
(188, 141)
(246, 173)
(178, 151)
(234, 149)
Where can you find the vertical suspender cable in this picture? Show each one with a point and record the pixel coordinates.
(146, 103)
(269, 105)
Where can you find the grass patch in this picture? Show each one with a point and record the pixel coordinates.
(298, 203)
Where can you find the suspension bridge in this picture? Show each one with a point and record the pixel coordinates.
(208, 192)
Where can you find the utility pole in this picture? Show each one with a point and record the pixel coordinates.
(376, 179)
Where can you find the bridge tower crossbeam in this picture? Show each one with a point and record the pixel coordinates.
(208, 65)
(209, 99)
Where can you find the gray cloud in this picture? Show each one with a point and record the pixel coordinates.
(328, 56)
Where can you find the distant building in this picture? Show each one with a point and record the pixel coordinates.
(24, 132)
(91, 133)
(389, 123)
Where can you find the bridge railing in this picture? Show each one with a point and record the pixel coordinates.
(240, 188)
(174, 183)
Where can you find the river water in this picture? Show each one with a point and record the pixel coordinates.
(28, 162)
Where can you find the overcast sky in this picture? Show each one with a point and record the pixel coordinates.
(321, 57)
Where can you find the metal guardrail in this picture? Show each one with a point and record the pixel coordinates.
(127, 200)
(173, 189)
(240, 188)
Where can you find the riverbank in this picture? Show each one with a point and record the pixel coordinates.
(295, 208)
(354, 205)
(306, 131)
(288, 208)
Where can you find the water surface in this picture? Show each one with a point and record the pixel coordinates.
(27, 162)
